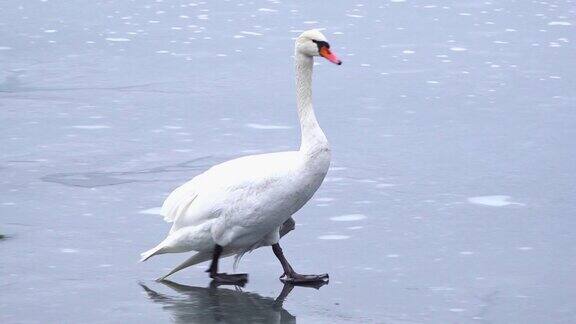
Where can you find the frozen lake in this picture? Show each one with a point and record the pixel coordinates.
(451, 193)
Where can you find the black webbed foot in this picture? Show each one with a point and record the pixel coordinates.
(305, 280)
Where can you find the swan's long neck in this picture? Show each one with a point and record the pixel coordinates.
(313, 139)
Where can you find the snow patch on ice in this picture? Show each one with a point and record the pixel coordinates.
(348, 218)
(333, 237)
(262, 126)
(91, 127)
(493, 201)
(250, 33)
(458, 49)
(560, 23)
(118, 39)
(151, 211)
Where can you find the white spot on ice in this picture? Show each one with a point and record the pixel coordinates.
(441, 288)
(91, 127)
(354, 16)
(525, 248)
(348, 218)
(5, 48)
(250, 33)
(261, 126)
(385, 185)
(65, 250)
(267, 10)
(458, 49)
(325, 199)
(493, 201)
(466, 253)
(49, 31)
(333, 237)
(393, 255)
(117, 39)
(151, 211)
(457, 310)
(560, 23)
(355, 227)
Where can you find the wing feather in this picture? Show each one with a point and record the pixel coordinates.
(178, 201)
(224, 184)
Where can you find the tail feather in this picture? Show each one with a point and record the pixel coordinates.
(193, 260)
(152, 252)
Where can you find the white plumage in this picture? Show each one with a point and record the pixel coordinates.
(242, 203)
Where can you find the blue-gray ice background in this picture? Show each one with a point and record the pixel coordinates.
(450, 198)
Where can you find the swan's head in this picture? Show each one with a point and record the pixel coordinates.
(313, 43)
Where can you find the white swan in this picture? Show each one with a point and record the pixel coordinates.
(240, 205)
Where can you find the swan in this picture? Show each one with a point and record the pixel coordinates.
(246, 203)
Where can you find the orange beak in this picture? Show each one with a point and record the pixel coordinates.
(325, 53)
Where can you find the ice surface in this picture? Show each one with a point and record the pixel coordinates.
(451, 125)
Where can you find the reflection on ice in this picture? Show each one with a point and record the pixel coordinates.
(221, 305)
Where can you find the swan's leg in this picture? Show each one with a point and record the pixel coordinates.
(291, 276)
(224, 278)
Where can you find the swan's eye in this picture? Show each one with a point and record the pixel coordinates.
(321, 44)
